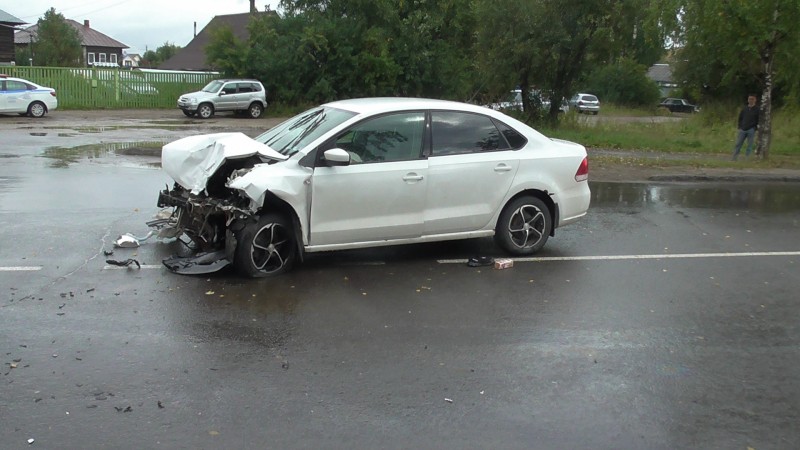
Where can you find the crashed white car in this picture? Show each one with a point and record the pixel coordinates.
(369, 172)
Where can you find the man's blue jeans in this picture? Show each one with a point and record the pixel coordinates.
(749, 134)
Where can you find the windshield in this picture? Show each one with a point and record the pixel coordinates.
(294, 134)
(213, 86)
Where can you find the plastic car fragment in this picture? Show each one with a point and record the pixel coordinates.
(201, 263)
(128, 240)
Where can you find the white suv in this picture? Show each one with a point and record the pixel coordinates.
(241, 96)
(25, 97)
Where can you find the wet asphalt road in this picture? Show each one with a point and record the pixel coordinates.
(394, 347)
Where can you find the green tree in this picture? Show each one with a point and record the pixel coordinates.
(734, 47)
(56, 42)
(153, 58)
(538, 44)
(226, 53)
(624, 82)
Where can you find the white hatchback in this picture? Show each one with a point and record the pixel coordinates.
(364, 173)
(25, 97)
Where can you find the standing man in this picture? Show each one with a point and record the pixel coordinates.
(748, 123)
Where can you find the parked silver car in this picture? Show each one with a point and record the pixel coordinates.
(585, 103)
(241, 96)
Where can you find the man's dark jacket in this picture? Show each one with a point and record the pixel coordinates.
(748, 118)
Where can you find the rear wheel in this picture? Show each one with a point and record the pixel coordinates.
(524, 226)
(255, 110)
(205, 111)
(36, 109)
(266, 248)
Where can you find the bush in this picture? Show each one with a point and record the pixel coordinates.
(623, 83)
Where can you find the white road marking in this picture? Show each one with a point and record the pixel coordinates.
(633, 257)
(20, 269)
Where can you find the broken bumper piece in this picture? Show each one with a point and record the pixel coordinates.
(199, 264)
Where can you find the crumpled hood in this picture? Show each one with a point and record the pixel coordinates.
(192, 160)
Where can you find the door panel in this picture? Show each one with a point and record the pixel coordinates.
(464, 191)
(368, 202)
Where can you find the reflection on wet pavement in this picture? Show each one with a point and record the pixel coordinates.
(768, 198)
(64, 156)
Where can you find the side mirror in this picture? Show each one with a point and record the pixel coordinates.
(336, 157)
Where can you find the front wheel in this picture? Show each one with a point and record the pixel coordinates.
(37, 109)
(524, 226)
(188, 113)
(266, 248)
(205, 111)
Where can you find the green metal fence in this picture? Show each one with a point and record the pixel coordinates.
(112, 88)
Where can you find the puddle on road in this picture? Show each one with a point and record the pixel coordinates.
(38, 134)
(768, 198)
(64, 156)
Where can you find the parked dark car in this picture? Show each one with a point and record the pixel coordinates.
(678, 105)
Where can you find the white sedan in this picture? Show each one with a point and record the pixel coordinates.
(25, 97)
(365, 173)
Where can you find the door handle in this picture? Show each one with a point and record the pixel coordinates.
(412, 177)
(502, 168)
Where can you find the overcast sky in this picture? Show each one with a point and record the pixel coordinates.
(139, 24)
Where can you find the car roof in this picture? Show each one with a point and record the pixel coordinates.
(5, 77)
(379, 104)
(225, 80)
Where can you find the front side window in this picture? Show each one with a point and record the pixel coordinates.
(458, 133)
(245, 87)
(393, 137)
(229, 88)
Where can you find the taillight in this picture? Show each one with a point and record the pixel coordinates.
(583, 170)
(53, 93)
(580, 102)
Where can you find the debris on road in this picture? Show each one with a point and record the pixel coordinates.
(201, 263)
(448, 400)
(503, 263)
(125, 263)
(128, 240)
(479, 261)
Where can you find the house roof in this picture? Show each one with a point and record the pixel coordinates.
(660, 73)
(9, 19)
(89, 36)
(193, 56)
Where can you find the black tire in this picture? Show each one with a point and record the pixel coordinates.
(266, 248)
(188, 113)
(37, 109)
(255, 110)
(205, 110)
(523, 226)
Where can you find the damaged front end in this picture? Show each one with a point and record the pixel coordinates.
(206, 210)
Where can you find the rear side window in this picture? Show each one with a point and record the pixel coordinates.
(515, 140)
(246, 87)
(458, 133)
